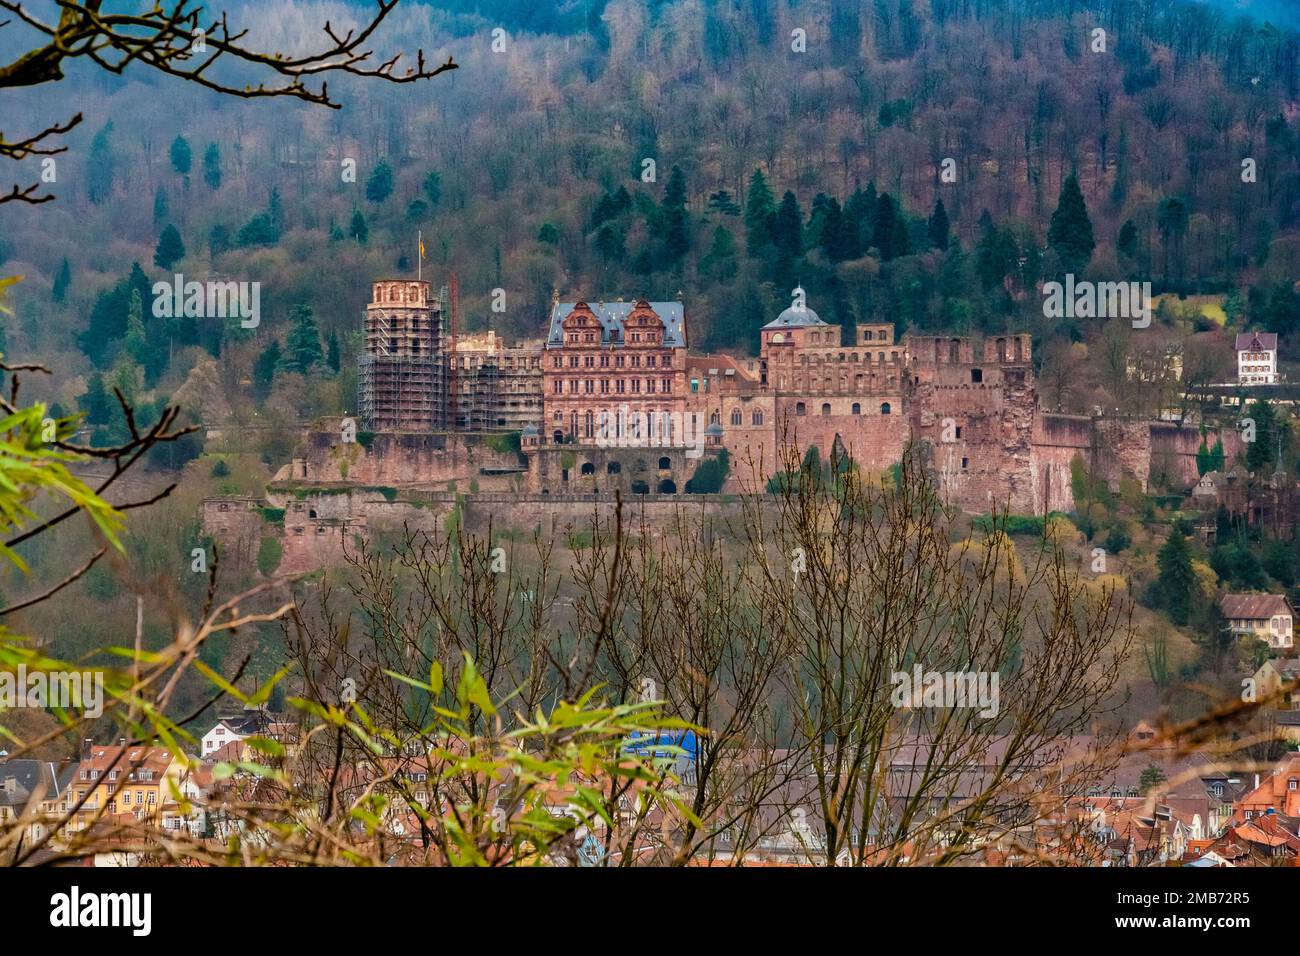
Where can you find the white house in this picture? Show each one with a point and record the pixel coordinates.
(1266, 616)
(1257, 358)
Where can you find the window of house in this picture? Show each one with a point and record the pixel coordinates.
(736, 418)
(884, 408)
(976, 375)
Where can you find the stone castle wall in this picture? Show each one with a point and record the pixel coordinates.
(399, 458)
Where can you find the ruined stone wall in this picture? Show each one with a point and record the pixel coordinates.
(399, 458)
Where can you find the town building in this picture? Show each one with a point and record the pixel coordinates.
(120, 780)
(615, 372)
(401, 373)
(1268, 617)
(1257, 358)
(496, 387)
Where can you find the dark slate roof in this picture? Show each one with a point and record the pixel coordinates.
(1256, 341)
(793, 318)
(29, 776)
(612, 315)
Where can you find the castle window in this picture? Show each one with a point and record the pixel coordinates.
(976, 375)
(736, 418)
(799, 409)
(665, 464)
(757, 418)
(866, 335)
(965, 463)
(884, 408)
(826, 408)
(857, 408)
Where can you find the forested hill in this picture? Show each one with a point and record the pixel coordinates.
(789, 143)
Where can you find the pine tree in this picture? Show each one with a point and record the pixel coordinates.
(890, 234)
(160, 205)
(264, 369)
(1126, 241)
(787, 227)
(433, 187)
(938, 229)
(212, 166)
(302, 348)
(332, 357)
(357, 228)
(170, 249)
(136, 343)
(102, 166)
(760, 214)
(720, 261)
(1070, 232)
(1178, 586)
(676, 221)
(98, 403)
(379, 185)
(180, 155)
(62, 279)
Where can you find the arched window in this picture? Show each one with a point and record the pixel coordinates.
(884, 408)
(799, 409)
(588, 468)
(826, 408)
(857, 409)
(665, 464)
(736, 417)
(757, 418)
(613, 468)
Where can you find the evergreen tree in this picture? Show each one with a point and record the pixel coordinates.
(379, 185)
(332, 357)
(890, 234)
(264, 368)
(760, 215)
(1126, 243)
(1179, 588)
(180, 155)
(1070, 232)
(720, 261)
(275, 212)
(98, 403)
(1272, 437)
(108, 316)
(136, 343)
(219, 240)
(610, 242)
(787, 227)
(675, 219)
(258, 231)
(302, 348)
(160, 205)
(212, 166)
(938, 228)
(170, 249)
(722, 203)
(433, 187)
(62, 279)
(101, 166)
(357, 228)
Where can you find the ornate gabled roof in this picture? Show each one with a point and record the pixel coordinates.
(613, 315)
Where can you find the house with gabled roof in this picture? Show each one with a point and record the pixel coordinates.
(1257, 358)
(1269, 617)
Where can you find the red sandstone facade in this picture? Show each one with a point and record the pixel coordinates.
(605, 364)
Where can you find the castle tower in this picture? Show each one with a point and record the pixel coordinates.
(402, 370)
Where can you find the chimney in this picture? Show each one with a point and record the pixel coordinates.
(121, 742)
(86, 746)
